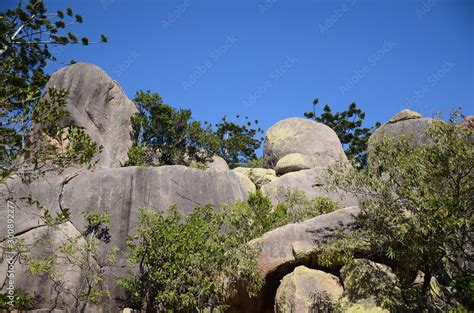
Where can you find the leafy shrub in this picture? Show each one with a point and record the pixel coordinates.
(21, 301)
(417, 213)
(255, 163)
(257, 215)
(168, 136)
(186, 264)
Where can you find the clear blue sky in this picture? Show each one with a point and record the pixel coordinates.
(268, 59)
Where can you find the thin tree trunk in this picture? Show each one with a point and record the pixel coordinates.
(425, 289)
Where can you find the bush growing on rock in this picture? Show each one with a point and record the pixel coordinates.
(186, 264)
(417, 215)
(257, 215)
(194, 262)
(168, 136)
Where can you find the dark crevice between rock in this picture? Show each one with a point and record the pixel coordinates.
(63, 185)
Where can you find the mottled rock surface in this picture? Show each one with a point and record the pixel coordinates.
(297, 135)
(312, 182)
(307, 290)
(259, 176)
(287, 247)
(98, 104)
(292, 162)
(409, 124)
(121, 191)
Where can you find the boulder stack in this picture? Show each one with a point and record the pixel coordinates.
(98, 104)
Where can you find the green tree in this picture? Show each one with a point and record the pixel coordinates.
(348, 127)
(192, 263)
(186, 264)
(237, 142)
(28, 32)
(168, 136)
(417, 214)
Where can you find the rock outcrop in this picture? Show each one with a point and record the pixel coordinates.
(98, 104)
(60, 291)
(259, 176)
(217, 164)
(316, 141)
(312, 182)
(287, 247)
(121, 191)
(292, 162)
(306, 290)
(405, 123)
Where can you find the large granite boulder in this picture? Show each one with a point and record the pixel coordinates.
(259, 176)
(121, 191)
(287, 247)
(98, 104)
(405, 123)
(316, 141)
(307, 290)
(468, 121)
(312, 182)
(292, 162)
(217, 164)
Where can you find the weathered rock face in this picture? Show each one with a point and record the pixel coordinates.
(259, 176)
(217, 164)
(68, 278)
(292, 162)
(468, 121)
(306, 290)
(312, 182)
(98, 104)
(406, 123)
(121, 191)
(404, 115)
(286, 247)
(46, 190)
(297, 135)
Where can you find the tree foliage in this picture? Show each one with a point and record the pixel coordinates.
(348, 127)
(185, 264)
(192, 263)
(237, 142)
(417, 214)
(165, 135)
(29, 34)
